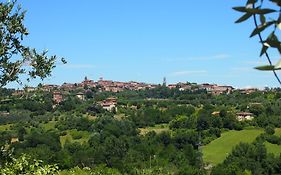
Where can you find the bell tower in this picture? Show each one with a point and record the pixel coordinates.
(164, 82)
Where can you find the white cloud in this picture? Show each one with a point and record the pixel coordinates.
(188, 72)
(242, 69)
(199, 58)
(220, 56)
(254, 63)
(212, 57)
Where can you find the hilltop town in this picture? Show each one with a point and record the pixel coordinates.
(102, 85)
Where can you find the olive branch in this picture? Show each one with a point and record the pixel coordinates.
(268, 22)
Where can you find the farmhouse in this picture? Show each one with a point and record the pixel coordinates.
(216, 113)
(57, 97)
(216, 89)
(248, 90)
(14, 140)
(4, 113)
(109, 103)
(242, 116)
(80, 95)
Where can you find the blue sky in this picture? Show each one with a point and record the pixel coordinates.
(146, 40)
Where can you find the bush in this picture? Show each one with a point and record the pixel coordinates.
(63, 133)
(99, 170)
(25, 165)
(273, 139)
(76, 135)
(270, 130)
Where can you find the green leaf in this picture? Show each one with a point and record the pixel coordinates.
(240, 9)
(259, 11)
(272, 41)
(270, 67)
(244, 18)
(261, 28)
(262, 19)
(263, 50)
(265, 68)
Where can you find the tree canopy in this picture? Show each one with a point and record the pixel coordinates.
(16, 58)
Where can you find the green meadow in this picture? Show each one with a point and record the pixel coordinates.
(157, 128)
(216, 151)
(75, 136)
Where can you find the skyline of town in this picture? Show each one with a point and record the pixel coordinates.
(38, 82)
(119, 41)
(118, 86)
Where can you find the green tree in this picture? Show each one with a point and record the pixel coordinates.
(25, 165)
(269, 23)
(14, 55)
(21, 133)
(270, 130)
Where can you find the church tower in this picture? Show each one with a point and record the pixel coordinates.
(164, 82)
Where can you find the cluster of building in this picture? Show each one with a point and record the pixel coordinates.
(240, 116)
(210, 88)
(107, 85)
(116, 86)
(100, 85)
(109, 104)
(80, 89)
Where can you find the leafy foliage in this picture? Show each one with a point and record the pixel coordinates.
(251, 158)
(16, 58)
(270, 22)
(26, 166)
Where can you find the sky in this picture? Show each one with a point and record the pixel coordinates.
(147, 40)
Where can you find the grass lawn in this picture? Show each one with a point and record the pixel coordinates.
(70, 136)
(49, 125)
(119, 116)
(157, 128)
(273, 148)
(278, 131)
(91, 117)
(216, 151)
(5, 127)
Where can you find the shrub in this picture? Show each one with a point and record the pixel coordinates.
(270, 130)
(25, 165)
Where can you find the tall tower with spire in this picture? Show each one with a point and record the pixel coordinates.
(164, 82)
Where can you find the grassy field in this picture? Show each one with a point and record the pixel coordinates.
(119, 116)
(278, 131)
(157, 128)
(49, 125)
(5, 127)
(71, 134)
(273, 148)
(217, 150)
